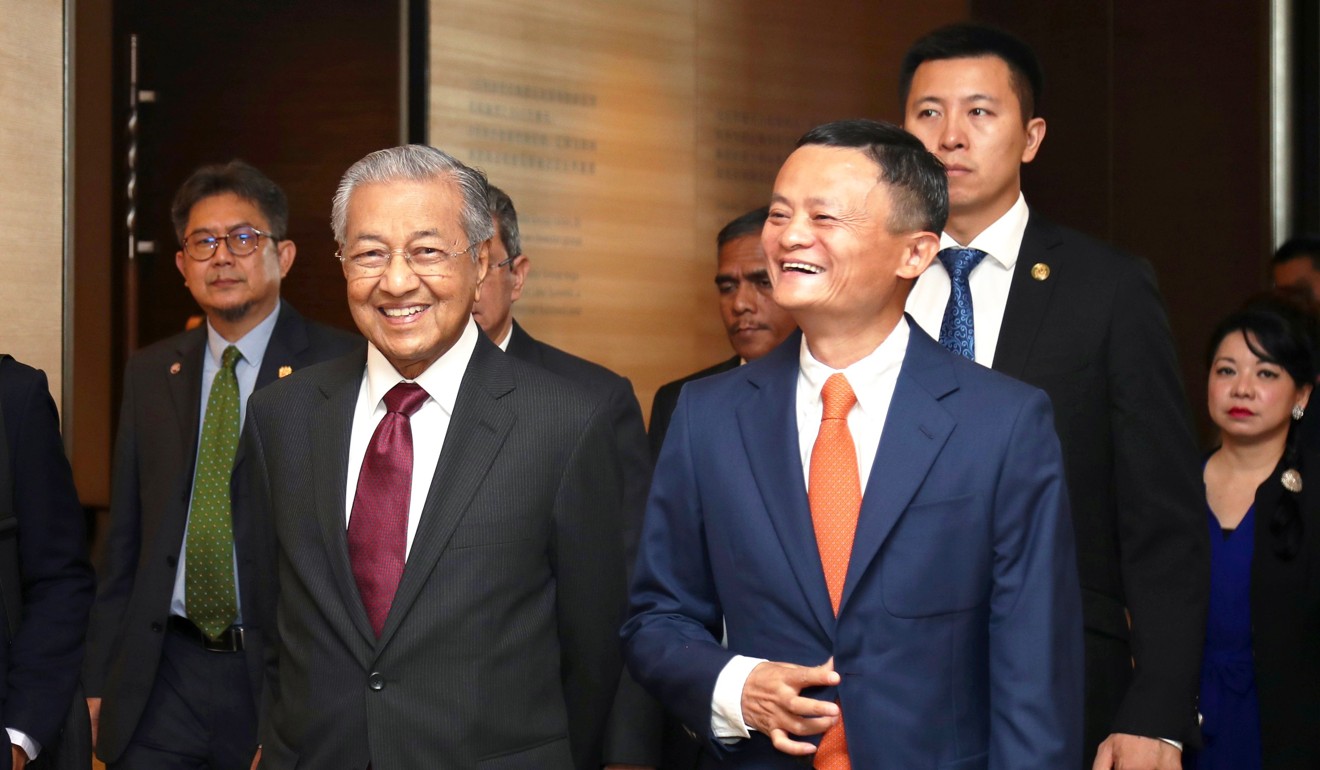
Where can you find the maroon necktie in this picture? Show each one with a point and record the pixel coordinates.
(378, 527)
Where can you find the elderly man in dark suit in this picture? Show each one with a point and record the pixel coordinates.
(748, 313)
(47, 580)
(443, 523)
(1083, 322)
(174, 657)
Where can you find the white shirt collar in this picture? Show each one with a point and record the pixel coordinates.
(1002, 239)
(863, 375)
(441, 379)
(251, 345)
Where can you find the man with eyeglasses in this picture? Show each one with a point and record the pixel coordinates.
(174, 658)
(635, 733)
(446, 545)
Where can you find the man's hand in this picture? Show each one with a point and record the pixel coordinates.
(20, 757)
(94, 712)
(1134, 752)
(256, 761)
(771, 703)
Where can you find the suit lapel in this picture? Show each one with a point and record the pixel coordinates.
(185, 387)
(288, 342)
(1028, 298)
(915, 431)
(332, 427)
(477, 430)
(767, 421)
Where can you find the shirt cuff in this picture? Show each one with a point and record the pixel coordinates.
(21, 740)
(1176, 744)
(726, 717)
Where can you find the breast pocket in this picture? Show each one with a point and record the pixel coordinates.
(937, 559)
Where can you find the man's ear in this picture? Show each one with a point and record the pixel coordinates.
(286, 253)
(483, 264)
(518, 270)
(920, 252)
(1035, 136)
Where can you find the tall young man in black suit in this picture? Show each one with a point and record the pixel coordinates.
(167, 688)
(1083, 322)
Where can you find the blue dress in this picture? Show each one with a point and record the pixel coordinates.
(1229, 707)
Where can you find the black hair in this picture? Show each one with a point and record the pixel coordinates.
(237, 178)
(918, 185)
(1302, 245)
(750, 223)
(967, 40)
(506, 217)
(1280, 332)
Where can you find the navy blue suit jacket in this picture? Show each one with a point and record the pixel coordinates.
(959, 635)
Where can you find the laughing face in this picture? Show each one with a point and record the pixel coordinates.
(832, 256)
(412, 319)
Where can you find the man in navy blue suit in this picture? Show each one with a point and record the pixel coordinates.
(946, 629)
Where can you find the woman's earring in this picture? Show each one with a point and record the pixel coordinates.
(1298, 411)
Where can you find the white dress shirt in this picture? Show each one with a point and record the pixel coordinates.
(429, 424)
(873, 379)
(989, 281)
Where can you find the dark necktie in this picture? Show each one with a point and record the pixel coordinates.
(957, 331)
(378, 526)
(208, 581)
(834, 494)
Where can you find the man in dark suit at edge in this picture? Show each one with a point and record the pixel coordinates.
(634, 734)
(443, 530)
(754, 323)
(1084, 322)
(174, 660)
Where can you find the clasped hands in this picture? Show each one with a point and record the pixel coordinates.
(773, 704)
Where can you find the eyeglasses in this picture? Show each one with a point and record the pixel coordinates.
(507, 261)
(424, 259)
(241, 241)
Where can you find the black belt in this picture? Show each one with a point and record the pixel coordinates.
(230, 640)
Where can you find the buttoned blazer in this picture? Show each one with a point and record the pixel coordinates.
(500, 647)
(1094, 336)
(155, 452)
(666, 398)
(959, 631)
(42, 659)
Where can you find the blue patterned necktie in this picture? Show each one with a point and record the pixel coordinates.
(957, 331)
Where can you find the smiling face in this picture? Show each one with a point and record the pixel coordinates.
(236, 293)
(1251, 400)
(966, 112)
(754, 323)
(834, 264)
(411, 319)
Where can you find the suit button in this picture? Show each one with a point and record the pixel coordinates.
(156, 627)
(376, 681)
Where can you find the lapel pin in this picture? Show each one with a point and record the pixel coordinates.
(176, 367)
(285, 371)
(1040, 271)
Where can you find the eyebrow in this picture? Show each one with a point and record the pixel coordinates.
(229, 229)
(412, 237)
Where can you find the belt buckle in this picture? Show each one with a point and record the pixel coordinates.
(230, 641)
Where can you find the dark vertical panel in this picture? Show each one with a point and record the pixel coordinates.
(1158, 142)
(1306, 118)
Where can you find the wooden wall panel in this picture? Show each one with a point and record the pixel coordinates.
(32, 184)
(628, 133)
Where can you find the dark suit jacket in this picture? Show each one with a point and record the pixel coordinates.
(634, 734)
(499, 649)
(41, 662)
(1094, 336)
(959, 631)
(1285, 624)
(666, 398)
(155, 452)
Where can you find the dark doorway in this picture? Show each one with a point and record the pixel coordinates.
(299, 88)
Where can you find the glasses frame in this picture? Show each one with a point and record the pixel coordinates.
(215, 245)
(351, 267)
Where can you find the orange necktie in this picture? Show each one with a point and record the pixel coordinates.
(834, 493)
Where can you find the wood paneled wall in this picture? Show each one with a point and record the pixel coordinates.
(32, 184)
(627, 134)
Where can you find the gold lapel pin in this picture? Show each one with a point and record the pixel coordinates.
(176, 367)
(285, 371)
(1040, 271)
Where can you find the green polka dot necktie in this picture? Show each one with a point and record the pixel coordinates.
(209, 582)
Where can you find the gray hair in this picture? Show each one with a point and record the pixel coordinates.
(418, 163)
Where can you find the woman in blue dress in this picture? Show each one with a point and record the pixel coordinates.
(1263, 365)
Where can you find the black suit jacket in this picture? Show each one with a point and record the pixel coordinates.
(500, 648)
(41, 662)
(666, 398)
(155, 451)
(1093, 335)
(633, 736)
(1285, 624)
